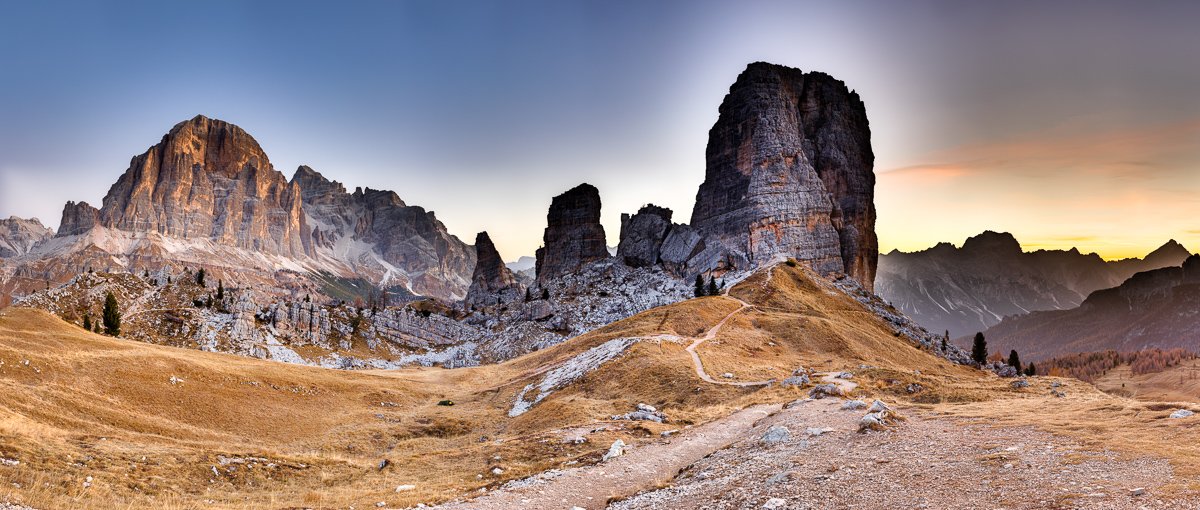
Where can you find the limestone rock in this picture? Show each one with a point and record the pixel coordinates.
(386, 240)
(77, 218)
(573, 236)
(209, 179)
(789, 171)
(642, 235)
(18, 236)
(491, 282)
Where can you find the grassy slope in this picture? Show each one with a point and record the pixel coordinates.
(88, 405)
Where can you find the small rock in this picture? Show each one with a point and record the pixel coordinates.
(914, 388)
(727, 375)
(616, 450)
(845, 375)
(384, 463)
(824, 390)
(575, 440)
(646, 407)
(1019, 383)
(813, 431)
(776, 434)
(775, 504)
(798, 380)
(381, 504)
(878, 406)
(668, 433)
(853, 405)
(497, 471)
(1137, 492)
(872, 421)
(402, 488)
(1182, 413)
(796, 402)
(176, 380)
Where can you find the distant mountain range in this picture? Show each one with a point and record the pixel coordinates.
(969, 289)
(1157, 308)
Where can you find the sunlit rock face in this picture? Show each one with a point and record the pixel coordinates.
(573, 235)
(209, 179)
(789, 171)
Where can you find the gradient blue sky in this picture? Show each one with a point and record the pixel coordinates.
(1068, 124)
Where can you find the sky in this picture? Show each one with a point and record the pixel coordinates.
(1069, 124)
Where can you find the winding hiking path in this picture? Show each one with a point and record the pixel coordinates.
(643, 467)
(709, 335)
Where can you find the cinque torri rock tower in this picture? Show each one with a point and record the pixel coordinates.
(790, 171)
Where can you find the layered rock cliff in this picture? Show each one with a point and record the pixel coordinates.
(383, 238)
(573, 236)
(789, 171)
(208, 179)
(77, 218)
(492, 282)
(18, 236)
(969, 289)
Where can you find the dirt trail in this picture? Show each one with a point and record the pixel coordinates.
(643, 467)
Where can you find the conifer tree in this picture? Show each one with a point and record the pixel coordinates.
(200, 277)
(545, 294)
(712, 287)
(979, 350)
(220, 290)
(700, 290)
(528, 297)
(1030, 370)
(87, 322)
(1014, 360)
(946, 341)
(111, 316)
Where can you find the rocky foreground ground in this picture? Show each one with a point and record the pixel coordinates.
(811, 455)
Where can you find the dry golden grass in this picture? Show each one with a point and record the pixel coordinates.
(1178, 383)
(88, 405)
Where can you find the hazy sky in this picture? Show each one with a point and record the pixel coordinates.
(1066, 123)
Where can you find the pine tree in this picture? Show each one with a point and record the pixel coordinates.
(1014, 360)
(946, 341)
(700, 290)
(87, 322)
(200, 277)
(220, 291)
(528, 297)
(111, 316)
(979, 350)
(545, 294)
(1030, 370)
(712, 287)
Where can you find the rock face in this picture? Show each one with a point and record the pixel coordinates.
(1156, 308)
(18, 236)
(642, 235)
(492, 281)
(969, 289)
(208, 179)
(383, 238)
(574, 236)
(77, 218)
(789, 171)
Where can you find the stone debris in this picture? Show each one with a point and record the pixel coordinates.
(776, 434)
(817, 431)
(616, 450)
(825, 390)
(176, 380)
(854, 405)
(403, 488)
(775, 504)
(796, 380)
(1181, 413)
(1019, 384)
(878, 406)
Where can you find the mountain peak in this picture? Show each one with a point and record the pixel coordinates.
(988, 240)
(1171, 249)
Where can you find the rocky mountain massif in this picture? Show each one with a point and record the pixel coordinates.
(19, 236)
(207, 196)
(789, 176)
(1158, 308)
(969, 289)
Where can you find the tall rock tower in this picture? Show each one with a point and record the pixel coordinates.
(790, 171)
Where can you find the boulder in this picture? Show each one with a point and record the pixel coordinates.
(776, 434)
(642, 235)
